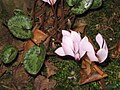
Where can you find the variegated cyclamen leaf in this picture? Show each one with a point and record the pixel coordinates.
(72, 2)
(82, 6)
(8, 54)
(34, 59)
(20, 25)
(96, 4)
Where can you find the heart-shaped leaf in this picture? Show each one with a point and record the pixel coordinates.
(79, 6)
(34, 59)
(8, 54)
(20, 26)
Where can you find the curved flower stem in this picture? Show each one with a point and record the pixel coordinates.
(55, 15)
(62, 12)
(33, 11)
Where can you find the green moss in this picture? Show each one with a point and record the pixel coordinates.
(112, 70)
(104, 21)
(67, 76)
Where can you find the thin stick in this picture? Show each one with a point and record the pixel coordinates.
(103, 84)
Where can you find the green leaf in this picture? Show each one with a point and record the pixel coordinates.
(8, 54)
(96, 4)
(82, 6)
(34, 59)
(19, 12)
(20, 25)
(72, 2)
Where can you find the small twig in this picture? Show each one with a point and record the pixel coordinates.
(33, 11)
(43, 17)
(62, 12)
(103, 84)
(55, 15)
(98, 69)
(7, 88)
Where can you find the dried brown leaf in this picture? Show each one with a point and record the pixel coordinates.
(2, 70)
(119, 75)
(38, 36)
(116, 53)
(51, 69)
(42, 83)
(28, 44)
(90, 72)
(80, 26)
(20, 76)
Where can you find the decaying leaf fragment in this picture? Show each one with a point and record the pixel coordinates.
(51, 69)
(116, 53)
(43, 83)
(38, 37)
(90, 72)
(80, 26)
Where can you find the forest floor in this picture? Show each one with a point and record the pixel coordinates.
(65, 74)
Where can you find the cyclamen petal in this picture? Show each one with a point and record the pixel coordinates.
(67, 50)
(77, 56)
(60, 51)
(67, 41)
(99, 40)
(105, 46)
(92, 57)
(67, 45)
(51, 2)
(76, 40)
(87, 46)
(102, 55)
(65, 33)
(75, 36)
(82, 44)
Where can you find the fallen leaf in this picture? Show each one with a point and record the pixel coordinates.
(47, 42)
(28, 44)
(86, 66)
(116, 53)
(38, 36)
(119, 75)
(20, 76)
(80, 26)
(20, 58)
(51, 69)
(90, 72)
(2, 70)
(43, 83)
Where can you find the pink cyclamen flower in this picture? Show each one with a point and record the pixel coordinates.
(51, 2)
(98, 56)
(70, 44)
(102, 53)
(73, 45)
